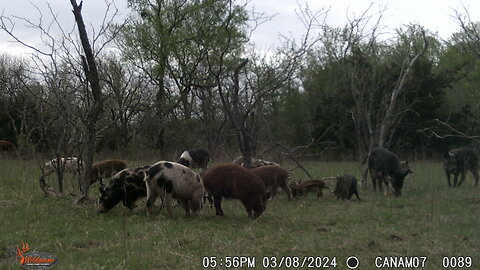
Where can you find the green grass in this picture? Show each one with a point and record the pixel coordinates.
(430, 220)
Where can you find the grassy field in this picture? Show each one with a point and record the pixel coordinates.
(430, 220)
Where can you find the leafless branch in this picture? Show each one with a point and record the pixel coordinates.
(441, 125)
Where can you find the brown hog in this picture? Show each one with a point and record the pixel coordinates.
(6, 146)
(235, 182)
(273, 177)
(303, 188)
(106, 168)
(295, 188)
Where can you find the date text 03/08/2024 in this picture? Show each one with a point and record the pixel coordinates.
(380, 262)
(269, 262)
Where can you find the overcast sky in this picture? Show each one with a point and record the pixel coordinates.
(435, 15)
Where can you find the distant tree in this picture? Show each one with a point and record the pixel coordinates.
(367, 78)
(15, 100)
(252, 83)
(294, 123)
(467, 40)
(126, 92)
(169, 40)
(458, 72)
(53, 114)
(72, 88)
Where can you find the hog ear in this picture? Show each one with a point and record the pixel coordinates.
(269, 195)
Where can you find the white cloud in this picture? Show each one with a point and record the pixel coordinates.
(435, 15)
(93, 12)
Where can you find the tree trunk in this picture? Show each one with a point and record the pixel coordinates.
(160, 96)
(388, 119)
(91, 73)
(246, 148)
(87, 175)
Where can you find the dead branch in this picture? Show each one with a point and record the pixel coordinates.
(387, 120)
(301, 167)
(48, 190)
(431, 132)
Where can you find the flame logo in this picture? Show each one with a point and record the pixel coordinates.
(20, 257)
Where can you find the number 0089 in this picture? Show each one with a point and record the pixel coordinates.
(456, 261)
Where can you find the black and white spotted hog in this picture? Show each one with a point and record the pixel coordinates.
(127, 186)
(68, 164)
(172, 180)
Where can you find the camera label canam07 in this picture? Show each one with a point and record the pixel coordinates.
(396, 262)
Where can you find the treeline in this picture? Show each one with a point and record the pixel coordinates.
(182, 74)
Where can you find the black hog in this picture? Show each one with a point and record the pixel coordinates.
(383, 164)
(345, 187)
(198, 158)
(127, 186)
(232, 181)
(459, 161)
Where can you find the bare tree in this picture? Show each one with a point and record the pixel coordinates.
(54, 95)
(72, 85)
(469, 37)
(467, 42)
(91, 73)
(126, 91)
(359, 48)
(251, 82)
(17, 96)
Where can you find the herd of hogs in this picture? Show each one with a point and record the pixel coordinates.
(252, 186)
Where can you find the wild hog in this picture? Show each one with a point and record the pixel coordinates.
(70, 165)
(235, 182)
(6, 146)
(303, 188)
(239, 160)
(106, 168)
(383, 163)
(345, 187)
(172, 180)
(127, 186)
(459, 161)
(273, 177)
(198, 158)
